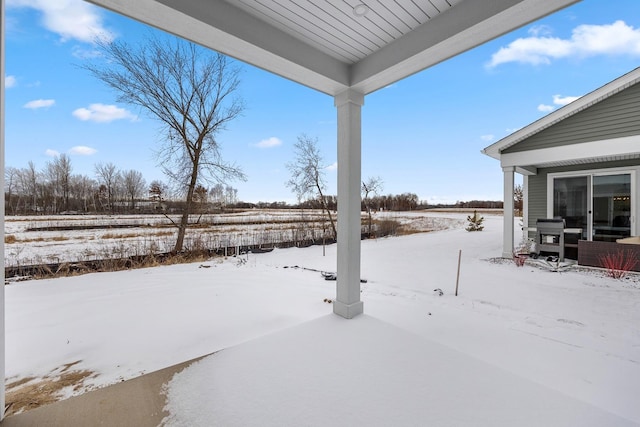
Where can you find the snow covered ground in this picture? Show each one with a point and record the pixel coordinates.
(576, 332)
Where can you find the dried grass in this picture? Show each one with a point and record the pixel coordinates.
(31, 392)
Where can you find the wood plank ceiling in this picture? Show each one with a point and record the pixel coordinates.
(348, 30)
(334, 45)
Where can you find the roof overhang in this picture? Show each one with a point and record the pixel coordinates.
(226, 27)
(610, 150)
(591, 150)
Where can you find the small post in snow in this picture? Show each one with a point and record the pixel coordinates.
(458, 276)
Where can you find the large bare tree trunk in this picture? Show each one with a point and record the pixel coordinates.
(326, 209)
(184, 220)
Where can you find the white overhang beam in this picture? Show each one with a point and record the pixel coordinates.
(227, 29)
(594, 150)
(463, 27)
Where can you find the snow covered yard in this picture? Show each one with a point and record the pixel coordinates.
(574, 332)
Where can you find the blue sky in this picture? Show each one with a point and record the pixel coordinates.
(421, 135)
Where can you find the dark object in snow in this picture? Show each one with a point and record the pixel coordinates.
(334, 276)
(204, 266)
(260, 250)
(438, 291)
(328, 301)
(329, 276)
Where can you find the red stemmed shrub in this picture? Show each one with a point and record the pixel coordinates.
(619, 263)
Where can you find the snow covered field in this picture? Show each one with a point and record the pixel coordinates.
(29, 242)
(576, 332)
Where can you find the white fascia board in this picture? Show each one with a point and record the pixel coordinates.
(227, 29)
(463, 27)
(610, 89)
(629, 145)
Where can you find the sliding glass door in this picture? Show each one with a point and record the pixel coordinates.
(599, 205)
(571, 202)
(611, 207)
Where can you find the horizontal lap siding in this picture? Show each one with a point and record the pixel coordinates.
(615, 117)
(537, 198)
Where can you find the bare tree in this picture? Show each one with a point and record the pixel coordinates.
(308, 174)
(191, 92)
(108, 176)
(158, 193)
(58, 173)
(82, 189)
(372, 186)
(217, 197)
(29, 177)
(11, 181)
(134, 186)
(518, 197)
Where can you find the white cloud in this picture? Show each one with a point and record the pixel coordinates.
(488, 137)
(269, 143)
(557, 100)
(101, 113)
(545, 108)
(10, 81)
(586, 40)
(70, 19)
(332, 167)
(540, 30)
(82, 53)
(82, 150)
(51, 153)
(564, 100)
(39, 103)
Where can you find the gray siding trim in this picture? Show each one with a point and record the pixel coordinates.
(614, 117)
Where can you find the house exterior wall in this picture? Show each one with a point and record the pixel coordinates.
(537, 188)
(614, 117)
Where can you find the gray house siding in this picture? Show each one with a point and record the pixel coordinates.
(614, 117)
(537, 200)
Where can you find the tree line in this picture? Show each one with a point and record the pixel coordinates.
(55, 189)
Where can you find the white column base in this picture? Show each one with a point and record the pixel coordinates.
(348, 311)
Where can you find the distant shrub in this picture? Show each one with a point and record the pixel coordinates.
(475, 222)
(387, 227)
(10, 238)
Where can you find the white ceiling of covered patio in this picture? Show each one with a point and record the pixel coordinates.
(332, 45)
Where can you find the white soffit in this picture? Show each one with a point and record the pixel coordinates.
(331, 45)
(608, 150)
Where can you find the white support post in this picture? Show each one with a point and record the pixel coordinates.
(525, 204)
(2, 302)
(349, 104)
(507, 245)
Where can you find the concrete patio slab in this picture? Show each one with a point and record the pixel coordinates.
(135, 403)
